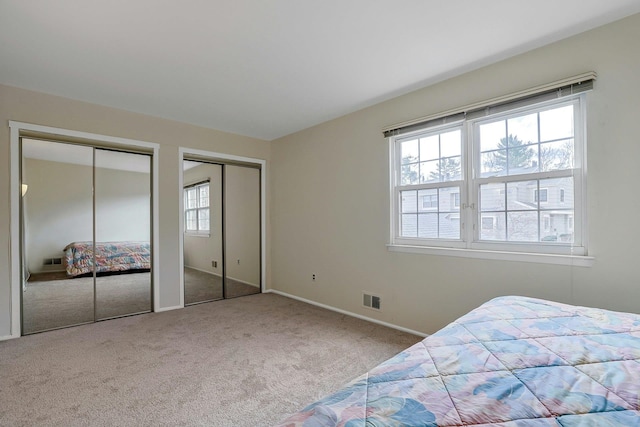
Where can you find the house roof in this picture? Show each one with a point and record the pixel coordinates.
(269, 68)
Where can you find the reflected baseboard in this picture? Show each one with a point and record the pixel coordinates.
(203, 271)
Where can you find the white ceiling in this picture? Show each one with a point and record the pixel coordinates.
(269, 68)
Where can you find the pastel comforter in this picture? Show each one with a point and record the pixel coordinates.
(513, 361)
(110, 257)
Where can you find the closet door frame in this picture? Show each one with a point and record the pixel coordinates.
(221, 158)
(19, 130)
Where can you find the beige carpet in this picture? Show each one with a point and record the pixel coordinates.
(246, 361)
(52, 300)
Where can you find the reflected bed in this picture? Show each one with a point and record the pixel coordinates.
(110, 257)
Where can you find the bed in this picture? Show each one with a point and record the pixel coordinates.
(513, 361)
(110, 257)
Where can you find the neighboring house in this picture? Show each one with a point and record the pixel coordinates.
(509, 211)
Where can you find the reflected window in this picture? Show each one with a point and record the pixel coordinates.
(196, 208)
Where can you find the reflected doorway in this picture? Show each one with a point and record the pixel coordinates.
(85, 234)
(222, 242)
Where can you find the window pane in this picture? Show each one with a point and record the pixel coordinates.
(556, 226)
(492, 226)
(428, 225)
(520, 157)
(409, 174)
(522, 226)
(525, 128)
(191, 198)
(491, 134)
(494, 163)
(190, 222)
(409, 151)
(409, 225)
(450, 169)
(449, 199)
(203, 191)
(429, 148)
(408, 201)
(451, 143)
(492, 197)
(428, 200)
(559, 193)
(556, 155)
(429, 171)
(449, 226)
(203, 219)
(556, 123)
(519, 195)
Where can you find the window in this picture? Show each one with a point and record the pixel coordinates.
(540, 195)
(429, 201)
(196, 208)
(505, 181)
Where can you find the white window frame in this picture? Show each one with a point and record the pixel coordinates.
(469, 245)
(197, 209)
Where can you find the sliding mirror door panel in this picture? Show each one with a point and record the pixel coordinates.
(122, 233)
(57, 235)
(203, 261)
(242, 230)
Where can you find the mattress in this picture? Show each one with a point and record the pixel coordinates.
(110, 257)
(513, 361)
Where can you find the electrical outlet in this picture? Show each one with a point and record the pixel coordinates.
(313, 277)
(214, 264)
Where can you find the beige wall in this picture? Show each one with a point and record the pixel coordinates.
(42, 109)
(330, 197)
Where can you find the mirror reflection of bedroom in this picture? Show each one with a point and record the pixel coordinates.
(221, 231)
(86, 227)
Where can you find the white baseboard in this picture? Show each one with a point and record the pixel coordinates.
(348, 313)
(8, 337)
(243, 282)
(175, 307)
(203, 271)
(218, 275)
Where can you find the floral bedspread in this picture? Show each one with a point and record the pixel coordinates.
(513, 361)
(110, 257)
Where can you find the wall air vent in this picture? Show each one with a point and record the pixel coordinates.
(371, 301)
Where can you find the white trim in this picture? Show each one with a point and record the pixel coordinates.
(175, 307)
(14, 237)
(16, 129)
(8, 337)
(213, 156)
(559, 259)
(348, 313)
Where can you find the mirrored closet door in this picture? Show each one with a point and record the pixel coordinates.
(123, 233)
(242, 230)
(86, 227)
(221, 231)
(203, 266)
(57, 211)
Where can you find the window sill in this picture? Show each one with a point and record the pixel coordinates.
(192, 234)
(559, 259)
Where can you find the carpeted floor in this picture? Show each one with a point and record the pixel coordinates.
(200, 286)
(53, 300)
(247, 361)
